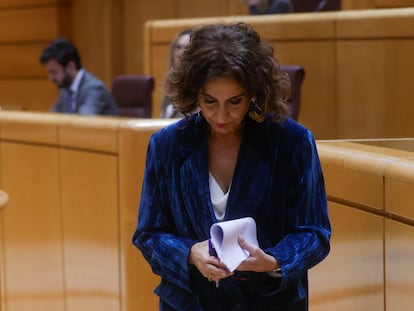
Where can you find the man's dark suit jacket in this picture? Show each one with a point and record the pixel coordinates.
(92, 98)
(277, 180)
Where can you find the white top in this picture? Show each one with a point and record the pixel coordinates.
(169, 111)
(218, 198)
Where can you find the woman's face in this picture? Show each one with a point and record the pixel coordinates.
(224, 103)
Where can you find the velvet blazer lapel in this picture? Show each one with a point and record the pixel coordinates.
(195, 189)
(250, 180)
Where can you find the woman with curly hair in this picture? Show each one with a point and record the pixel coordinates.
(238, 156)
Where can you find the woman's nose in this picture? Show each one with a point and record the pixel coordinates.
(222, 112)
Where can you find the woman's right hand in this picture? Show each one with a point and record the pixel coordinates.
(209, 266)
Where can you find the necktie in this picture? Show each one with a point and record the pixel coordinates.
(69, 102)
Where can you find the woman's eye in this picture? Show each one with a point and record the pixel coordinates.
(236, 101)
(208, 100)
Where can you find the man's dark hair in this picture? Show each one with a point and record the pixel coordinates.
(63, 51)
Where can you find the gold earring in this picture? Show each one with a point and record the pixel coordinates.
(256, 116)
(256, 112)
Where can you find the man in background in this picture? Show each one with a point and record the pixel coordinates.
(80, 91)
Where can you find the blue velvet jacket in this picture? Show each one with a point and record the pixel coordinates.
(277, 180)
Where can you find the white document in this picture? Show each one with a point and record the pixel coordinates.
(224, 236)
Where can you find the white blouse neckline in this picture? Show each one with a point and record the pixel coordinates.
(218, 197)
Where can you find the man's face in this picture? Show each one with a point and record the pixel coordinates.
(58, 74)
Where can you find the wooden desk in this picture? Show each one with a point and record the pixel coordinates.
(370, 186)
(75, 183)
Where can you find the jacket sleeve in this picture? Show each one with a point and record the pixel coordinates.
(308, 230)
(155, 236)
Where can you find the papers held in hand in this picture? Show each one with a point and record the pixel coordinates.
(224, 236)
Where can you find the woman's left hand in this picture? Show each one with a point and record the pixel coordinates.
(258, 260)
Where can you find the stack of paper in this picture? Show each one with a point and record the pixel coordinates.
(224, 236)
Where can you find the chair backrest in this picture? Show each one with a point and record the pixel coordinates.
(133, 94)
(296, 76)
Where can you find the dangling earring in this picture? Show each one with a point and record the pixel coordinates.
(198, 117)
(256, 113)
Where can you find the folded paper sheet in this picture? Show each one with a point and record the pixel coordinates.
(224, 236)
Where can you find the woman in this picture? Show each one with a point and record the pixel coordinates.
(238, 156)
(177, 47)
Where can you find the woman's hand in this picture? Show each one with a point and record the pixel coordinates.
(209, 266)
(258, 260)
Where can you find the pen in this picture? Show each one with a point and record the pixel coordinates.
(212, 252)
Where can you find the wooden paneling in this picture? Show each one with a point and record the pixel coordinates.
(399, 276)
(354, 172)
(32, 228)
(101, 269)
(3, 251)
(399, 187)
(28, 24)
(98, 36)
(351, 277)
(90, 230)
(21, 3)
(371, 24)
(317, 111)
(380, 108)
(373, 60)
(357, 4)
(237, 8)
(136, 13)
(97, 133)
(361, 105)
(374, 51)
(29, 128)
(21, 60)
(191, 8)
(375, 4)
(28, 94)
(393, 3)
(138, 281)
(392, 160)
(345, 180)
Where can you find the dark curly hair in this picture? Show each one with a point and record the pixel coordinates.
(63, 51)
(229, 50)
